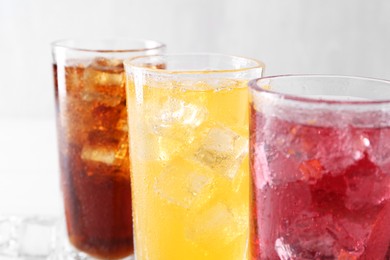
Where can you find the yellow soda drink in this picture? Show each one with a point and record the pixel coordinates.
(189, 157)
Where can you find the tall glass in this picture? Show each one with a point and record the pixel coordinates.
(93, 146)
(189, 150)
(320, 168)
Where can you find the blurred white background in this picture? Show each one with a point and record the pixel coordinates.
(302, 36)
(349, 37)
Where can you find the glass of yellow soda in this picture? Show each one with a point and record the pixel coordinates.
(189, 154)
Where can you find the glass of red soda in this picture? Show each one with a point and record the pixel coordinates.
(320, 167)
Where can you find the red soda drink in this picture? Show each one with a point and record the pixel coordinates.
(320, 169)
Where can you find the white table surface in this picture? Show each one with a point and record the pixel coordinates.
(29, 175)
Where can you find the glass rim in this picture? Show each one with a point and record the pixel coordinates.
(66, 44)
(254, 85)
(129, 63)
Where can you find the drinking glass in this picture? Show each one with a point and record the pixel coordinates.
(320, 167)
(189, 151)
(93, 146)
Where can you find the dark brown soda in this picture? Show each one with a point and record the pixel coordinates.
(94, 162)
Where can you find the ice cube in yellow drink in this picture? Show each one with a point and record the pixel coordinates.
(189, 152)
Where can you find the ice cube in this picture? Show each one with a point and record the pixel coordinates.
(344, 234)
(377, 246)
(262, 176)
(311, 170)
(283, 167)
(106, 72)
(104, 82)
(184, 184)
(74, 79)
(37, 237)
(380, 153)
(217, 226)
(98, 154)
(350, 233)
(150, 147)
(107, 147)
(8, 238)
(341, 149)
(277, 206)
(222, 150)
(330, 149)
(308, 236)
(6, 231)
(175, 119)
(283, 250)
(366, 185)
